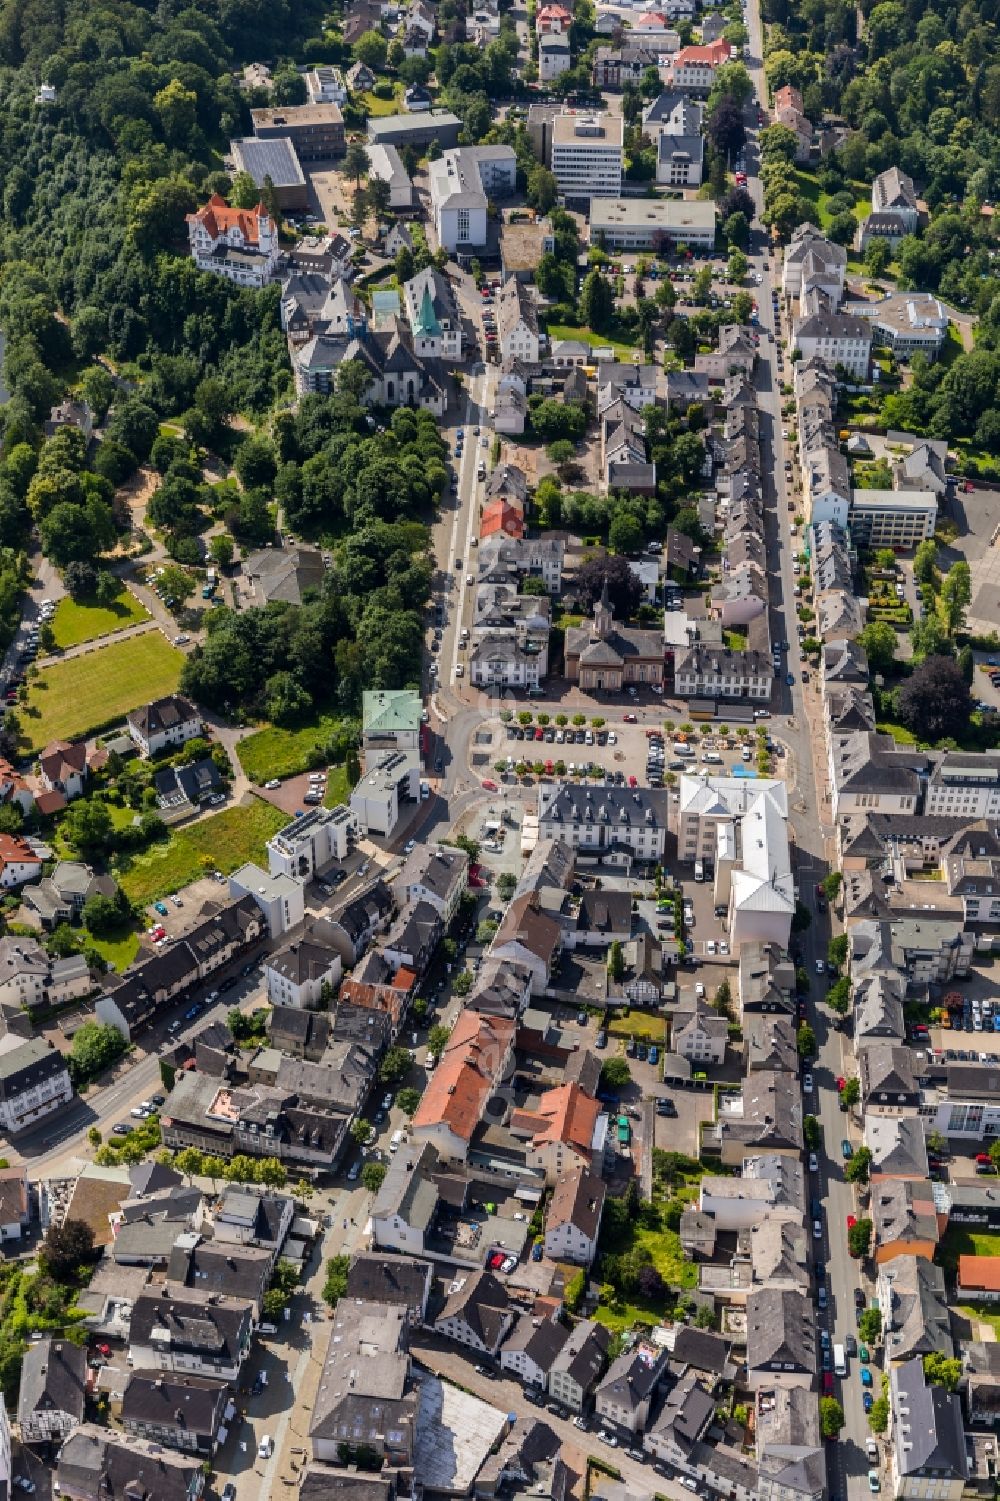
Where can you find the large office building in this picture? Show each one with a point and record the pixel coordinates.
(315, 130)
(587, 155)
(652, 223)
(892, 518)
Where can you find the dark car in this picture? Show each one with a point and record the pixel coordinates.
(122, 1129)
(851, 1345)
(666, 1107)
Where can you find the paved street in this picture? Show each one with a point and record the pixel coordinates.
(803, 732)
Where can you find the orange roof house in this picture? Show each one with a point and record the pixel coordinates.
(562, 1130)
(979, 1278)
(476, 1059)
(219, 220)
(18, 861)
(713, 56)
(788, 98)
(553, 19)
(501, 516)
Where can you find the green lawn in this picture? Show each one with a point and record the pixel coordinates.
(817, 199)
(222, 842)
(639, 1024)
(119, 950)
(338, 786)
(87, 693)
(284, 753)
(376, 106)
(73, 622)
(980, 1313)
(958, 1241)
(584, 335)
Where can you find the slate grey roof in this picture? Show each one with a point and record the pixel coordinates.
(120, 1467)
(919, 1322)
(631, 1379)
(897, 1145)
(53, 1379)
(686, 1413)
(781, 1329)
(400, 1281)
(583, 1355)
(930, 1436)
(482, 1302)
(192, 1403)
(541, 1343)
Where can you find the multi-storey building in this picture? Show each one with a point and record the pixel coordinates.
(587, 155)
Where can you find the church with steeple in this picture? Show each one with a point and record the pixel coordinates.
(605, 657)
(433, 315)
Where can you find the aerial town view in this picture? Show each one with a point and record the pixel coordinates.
(500, 750)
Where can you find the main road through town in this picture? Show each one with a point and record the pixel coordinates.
(814, 848)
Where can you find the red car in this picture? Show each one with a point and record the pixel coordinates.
(489, 786)
(630, 719)
(984, 1159)
(851, 1222)
(104, 1350)
(827, 1383)
(496, 1261)
(841, 1084)
(539, 734)
(633, 782)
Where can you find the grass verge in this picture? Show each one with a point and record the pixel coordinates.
(222, 842)
(958, 1241)
(585, 335)
(87, 693)
(643, 1025)
(74, 622)
(274, 752)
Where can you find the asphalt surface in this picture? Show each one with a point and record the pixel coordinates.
(803, 733)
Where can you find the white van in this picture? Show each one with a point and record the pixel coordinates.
(684, 750)
(266, 1447)
(396, 1141)
(839, 1361)
(699, 870)
(712, 757)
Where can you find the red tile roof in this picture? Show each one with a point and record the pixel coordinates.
(565, 1114)
(16, 851)
(979, 1272)
(501, 516)
(715, 53)
(218, 218)
(467, 1074)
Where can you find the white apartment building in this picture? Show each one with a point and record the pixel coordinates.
(462, 183)
(34, 1082)
(554, 56)
(308, 844)
(900, 519)
(703, 671)
(842, 340)
(604, 820)
(380, 797)
(587, 155)
(964, 785)
(280, 897)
